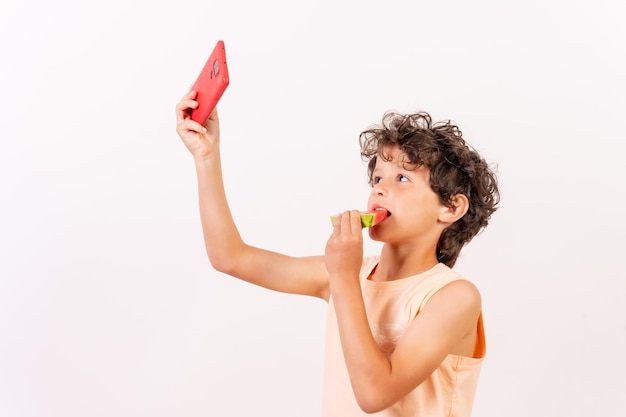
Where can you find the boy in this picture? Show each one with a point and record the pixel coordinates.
(404, 331)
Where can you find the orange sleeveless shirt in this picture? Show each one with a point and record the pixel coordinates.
(448, 392)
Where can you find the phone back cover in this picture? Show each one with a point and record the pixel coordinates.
(211, 83)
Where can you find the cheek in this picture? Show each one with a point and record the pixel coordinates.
(422, 211)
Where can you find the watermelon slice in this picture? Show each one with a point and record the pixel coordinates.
(368, 218)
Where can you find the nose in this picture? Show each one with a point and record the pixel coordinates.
(379, 189)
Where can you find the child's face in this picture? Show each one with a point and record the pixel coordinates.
(405, 192)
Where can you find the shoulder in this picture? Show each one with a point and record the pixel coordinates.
(461, 290)
(457, 298)
(453, 289)
(449, 278)
(442, 277)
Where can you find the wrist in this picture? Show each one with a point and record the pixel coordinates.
(206, 160)
(341, 285)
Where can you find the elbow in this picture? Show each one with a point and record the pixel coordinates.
(224, 250)
(221, 261)
(218, 264)
(375, 391)
(222, 264)
(371, 402)
(227, 258)
(369, 407)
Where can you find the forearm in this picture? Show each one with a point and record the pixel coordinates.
(221, 237)
(368, 367)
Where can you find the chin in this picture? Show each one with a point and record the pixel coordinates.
(374, 235)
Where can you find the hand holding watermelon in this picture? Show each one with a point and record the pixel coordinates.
(368, 218)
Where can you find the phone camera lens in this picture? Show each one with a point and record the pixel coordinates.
(216, 69)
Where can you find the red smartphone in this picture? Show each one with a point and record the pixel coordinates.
(211, 83)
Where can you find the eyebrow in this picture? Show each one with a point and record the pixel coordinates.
(404, 166)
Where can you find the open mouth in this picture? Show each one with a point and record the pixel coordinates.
(378, 214)
(382, 209)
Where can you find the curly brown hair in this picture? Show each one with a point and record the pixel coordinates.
(455, 168)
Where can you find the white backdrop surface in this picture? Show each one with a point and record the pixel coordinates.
(108, 306)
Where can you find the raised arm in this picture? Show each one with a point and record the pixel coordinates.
(225, 248)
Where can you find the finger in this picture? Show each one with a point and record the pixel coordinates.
(187, 102)
(355, 221)
(345, 221)
(191, 125)
(184, 106)
(337, 221)
(189, 94)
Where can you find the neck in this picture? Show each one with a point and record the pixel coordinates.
(403, 261)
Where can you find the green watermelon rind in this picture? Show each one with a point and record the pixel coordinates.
(367, 219)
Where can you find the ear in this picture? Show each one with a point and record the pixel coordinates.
(458, 208)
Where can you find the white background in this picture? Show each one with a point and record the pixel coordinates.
(108, 306)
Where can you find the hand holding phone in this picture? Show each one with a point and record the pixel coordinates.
(210, 84)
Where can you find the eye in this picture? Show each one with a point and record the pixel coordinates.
(376, 180)
(402, 178)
